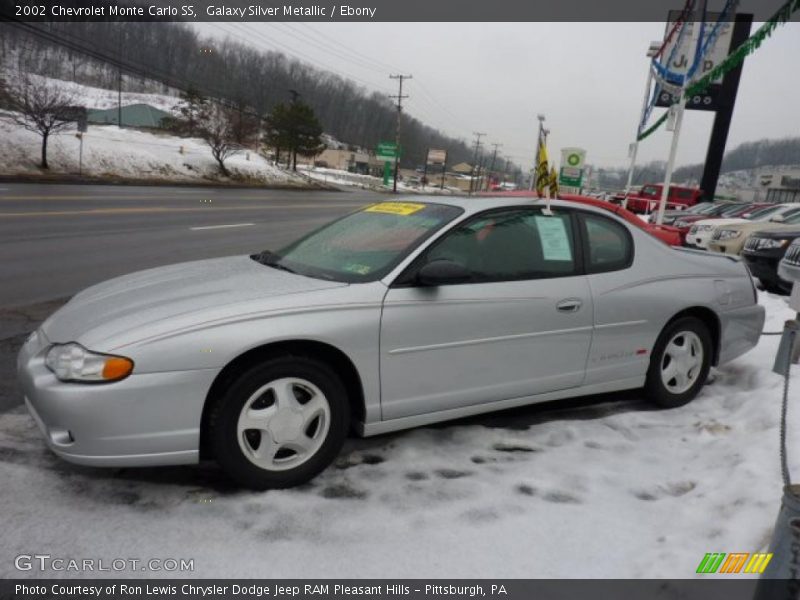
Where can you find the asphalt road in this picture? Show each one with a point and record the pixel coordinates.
(58, 239)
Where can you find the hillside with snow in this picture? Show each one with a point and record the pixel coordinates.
(113, 153)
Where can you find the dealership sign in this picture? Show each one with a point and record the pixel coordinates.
(680, 53)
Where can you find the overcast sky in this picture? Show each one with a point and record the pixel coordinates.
(586, 78)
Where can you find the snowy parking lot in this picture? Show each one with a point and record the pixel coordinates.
(607, 487)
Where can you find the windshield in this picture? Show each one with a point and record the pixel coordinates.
(792, 218)
(364, 245)
(729, 211)
(650, 190)
(702, 209)
(764, 214)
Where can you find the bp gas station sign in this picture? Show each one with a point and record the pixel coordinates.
(570, 177)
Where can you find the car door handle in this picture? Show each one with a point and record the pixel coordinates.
(569, 305)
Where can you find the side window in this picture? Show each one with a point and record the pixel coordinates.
(609, 244)
(511, 245)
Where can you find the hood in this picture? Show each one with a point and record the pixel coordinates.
(748, 226)
(778, 231)
(691, 219)
(164, 294)
(720, 222)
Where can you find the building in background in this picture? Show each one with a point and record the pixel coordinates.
(133, 115)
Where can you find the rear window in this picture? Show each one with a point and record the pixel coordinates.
(610, 247)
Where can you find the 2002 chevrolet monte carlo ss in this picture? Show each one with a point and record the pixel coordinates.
(397, 315)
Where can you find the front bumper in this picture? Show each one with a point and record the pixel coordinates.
(698, 240)
(146, 419)
(732, 247)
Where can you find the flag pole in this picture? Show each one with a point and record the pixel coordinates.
(679, 109)
(651, 52)
(538, 145)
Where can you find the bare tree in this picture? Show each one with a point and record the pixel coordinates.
(217, 126)
(38, 105)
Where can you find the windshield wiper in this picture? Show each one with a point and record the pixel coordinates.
(271, 259)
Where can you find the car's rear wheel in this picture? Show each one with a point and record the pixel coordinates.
(279, 423)
(680, 363)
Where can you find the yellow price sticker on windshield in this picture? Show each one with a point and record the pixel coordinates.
(396, 208)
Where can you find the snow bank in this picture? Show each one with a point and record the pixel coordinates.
(613, 491)
(344, 178)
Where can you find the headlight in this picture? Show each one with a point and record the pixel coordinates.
(727, 234)
(769, 243)
(693, 230)
(707, 227)
(73, 362)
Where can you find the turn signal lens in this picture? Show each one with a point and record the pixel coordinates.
(117, 368)
(73, 362)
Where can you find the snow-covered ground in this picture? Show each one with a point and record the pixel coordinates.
(615, 490)
(337, 177)
(111, 152)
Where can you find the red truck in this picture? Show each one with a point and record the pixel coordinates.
(647, 199)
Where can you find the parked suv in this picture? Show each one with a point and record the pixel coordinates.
(763, 252)
(649, 197)
(730, 238)
(701, 230)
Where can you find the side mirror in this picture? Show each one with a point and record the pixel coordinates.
(778, 219)
(443, 272)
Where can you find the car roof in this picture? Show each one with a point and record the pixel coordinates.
(475, 204)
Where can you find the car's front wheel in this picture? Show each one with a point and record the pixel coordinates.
(680, 363)
(280, 423)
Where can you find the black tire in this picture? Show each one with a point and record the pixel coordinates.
(224, 417)
(655, 388)
(770, 287)
(782, 288)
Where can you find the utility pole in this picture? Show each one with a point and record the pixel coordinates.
(399, 97)
(119, 79)
(494, 158)
(478, 137)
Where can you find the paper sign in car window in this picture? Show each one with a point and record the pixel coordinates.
(356, 268)
(396, 208)
(554, 238)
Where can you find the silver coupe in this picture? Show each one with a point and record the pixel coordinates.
(397, 315)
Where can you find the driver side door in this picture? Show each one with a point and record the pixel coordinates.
(520, 326)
